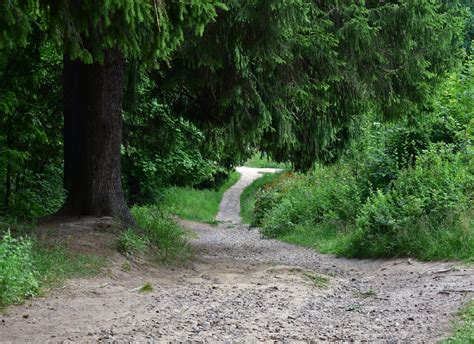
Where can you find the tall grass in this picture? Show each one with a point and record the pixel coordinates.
(464, 330)
(426, 212)
(196, 204)
(158, 227)
(27, 267)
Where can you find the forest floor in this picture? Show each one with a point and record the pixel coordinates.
(240, 287)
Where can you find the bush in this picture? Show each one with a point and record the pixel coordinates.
(328, 196)
(17, 273)
(268, 196)
(131, 243)
(162, 230)
(423, 214)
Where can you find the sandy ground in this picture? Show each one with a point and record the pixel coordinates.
(241, 288)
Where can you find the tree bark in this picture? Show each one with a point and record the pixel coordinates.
(92, 137)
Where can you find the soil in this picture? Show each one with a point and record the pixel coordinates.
(240, 287)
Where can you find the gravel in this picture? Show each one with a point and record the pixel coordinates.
(243, 288)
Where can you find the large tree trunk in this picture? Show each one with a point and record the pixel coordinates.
(92, 137)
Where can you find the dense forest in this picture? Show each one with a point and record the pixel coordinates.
(107, 106)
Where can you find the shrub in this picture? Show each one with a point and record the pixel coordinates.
(267, 197)
(424, 212)
(329, 195)
(17, 273)
(163, 230)
(131, 243)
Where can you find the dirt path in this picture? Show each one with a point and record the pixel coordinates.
(246, 289)
(229, 209)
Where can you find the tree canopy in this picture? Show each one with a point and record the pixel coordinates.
(206, 83)
(295, 77)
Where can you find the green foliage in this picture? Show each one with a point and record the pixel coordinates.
(295, 78)
(27, 267)
(248, 196)
(17, 272)
(464, 332)
(197, 204)
(30, 130)
(146, 288)
(427, 205)
(326, 196)
(131, 243)
(161, 149)
(323, 237)
(407, 188)
(162, 230)
(55, 263)
(425, 213)
(262, 160)
(146, 30)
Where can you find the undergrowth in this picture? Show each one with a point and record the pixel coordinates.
(247, 198)
(132, 243)
(28, 267)
(426, 212)
(464, 330)
(157, 227)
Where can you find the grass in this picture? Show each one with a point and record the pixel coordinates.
(247, 199)
(195, 204)
(28, 267)
(366, 294)
(318, 280)
(321, 238)
(56, 264)
(258, 160)
(146, 288)
(156, 226)
(132, 243)
(464, 331)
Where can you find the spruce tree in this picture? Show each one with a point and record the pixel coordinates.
(295, 78)
(97, 37)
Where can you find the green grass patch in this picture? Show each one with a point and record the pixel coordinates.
(27, 267)
(259, 160)
(322, 238)
(56, 264)
(464, 331)
(196, 204)
(247, 199)
(132, 243)
(425, 213)
(158, 227)
(146, 288)
(318, 280)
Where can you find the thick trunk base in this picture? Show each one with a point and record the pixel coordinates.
(92, 138)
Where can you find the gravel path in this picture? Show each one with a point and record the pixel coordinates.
(246, 289)
(229, 210)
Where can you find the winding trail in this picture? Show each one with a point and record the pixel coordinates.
(243, 288)
(229, 210)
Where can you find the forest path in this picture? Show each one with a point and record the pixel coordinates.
(229, 209)
(243, 288)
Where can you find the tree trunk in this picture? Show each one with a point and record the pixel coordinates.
(92, 137)
(8, 187)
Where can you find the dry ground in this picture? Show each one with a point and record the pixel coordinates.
(242, 288)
